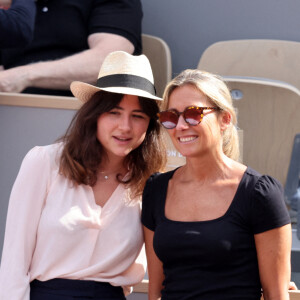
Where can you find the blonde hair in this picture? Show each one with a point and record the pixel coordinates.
(218, 93)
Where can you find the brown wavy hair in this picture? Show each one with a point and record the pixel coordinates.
(82, 152)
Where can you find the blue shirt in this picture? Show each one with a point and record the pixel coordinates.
(17, 24)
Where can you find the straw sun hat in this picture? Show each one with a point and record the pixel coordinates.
(121, 73)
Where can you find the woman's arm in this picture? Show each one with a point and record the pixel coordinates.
(155, 268)
(24, 211)
(274, 261)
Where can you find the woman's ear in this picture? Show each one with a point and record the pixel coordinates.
(225, 120)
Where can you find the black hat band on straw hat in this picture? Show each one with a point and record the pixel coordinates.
(126, 80)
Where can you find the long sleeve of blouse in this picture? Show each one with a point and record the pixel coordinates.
(17, 24)
(56, 230)
(24, 211)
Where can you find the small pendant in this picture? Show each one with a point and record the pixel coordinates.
(105, 177)
(45, 9)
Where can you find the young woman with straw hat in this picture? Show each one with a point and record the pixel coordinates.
(73, 226)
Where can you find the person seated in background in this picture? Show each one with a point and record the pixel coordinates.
(16, 23)
(71, 39)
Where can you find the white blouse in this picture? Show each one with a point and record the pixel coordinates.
(56, 230)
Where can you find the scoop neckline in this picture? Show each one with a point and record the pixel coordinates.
(204, 221)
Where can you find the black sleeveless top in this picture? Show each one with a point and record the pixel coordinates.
(214, 259)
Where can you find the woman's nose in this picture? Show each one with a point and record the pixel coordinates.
(181, 124)
(125, 123)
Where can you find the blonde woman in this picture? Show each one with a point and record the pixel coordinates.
(214, 228)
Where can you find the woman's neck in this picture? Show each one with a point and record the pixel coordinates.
(112, 168)
(208, 167)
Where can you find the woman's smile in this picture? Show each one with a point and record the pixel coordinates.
(187, 139)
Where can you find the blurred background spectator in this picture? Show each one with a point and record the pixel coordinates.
(71, 39)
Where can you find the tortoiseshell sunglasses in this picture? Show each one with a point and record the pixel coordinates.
(192, 115)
